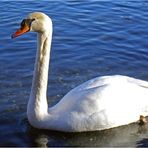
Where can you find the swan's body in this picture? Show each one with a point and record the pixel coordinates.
(97, 104)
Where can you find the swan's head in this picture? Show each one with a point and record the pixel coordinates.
(36, 22)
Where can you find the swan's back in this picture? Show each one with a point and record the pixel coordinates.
(104, 102)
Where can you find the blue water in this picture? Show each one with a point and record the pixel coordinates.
(91, 38)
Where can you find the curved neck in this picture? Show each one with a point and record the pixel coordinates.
(38, 101)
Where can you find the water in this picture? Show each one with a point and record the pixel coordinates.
(91, 38)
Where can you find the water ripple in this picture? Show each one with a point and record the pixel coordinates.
(90, 38)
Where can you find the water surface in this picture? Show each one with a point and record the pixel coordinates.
(91, 38)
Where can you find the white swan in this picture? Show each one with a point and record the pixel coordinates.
(100, 103)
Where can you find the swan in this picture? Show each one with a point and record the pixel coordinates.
(97, 104)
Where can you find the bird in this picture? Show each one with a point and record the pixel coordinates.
(98, 104)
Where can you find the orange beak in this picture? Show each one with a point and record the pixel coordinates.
(21, 31)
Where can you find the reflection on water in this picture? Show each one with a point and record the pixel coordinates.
(129, 135)
(90, 38)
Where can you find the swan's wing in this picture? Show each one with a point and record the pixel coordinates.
(88, 95)
(103, 102)
(138, 82)
(107, 80)
(102, 89)
(110, 92)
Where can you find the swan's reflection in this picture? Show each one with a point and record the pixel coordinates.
(129, 135)
(42, 140)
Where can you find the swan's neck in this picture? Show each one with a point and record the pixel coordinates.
(37, 106)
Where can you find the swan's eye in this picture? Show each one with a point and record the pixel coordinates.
(27, 22)
(33, 19)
